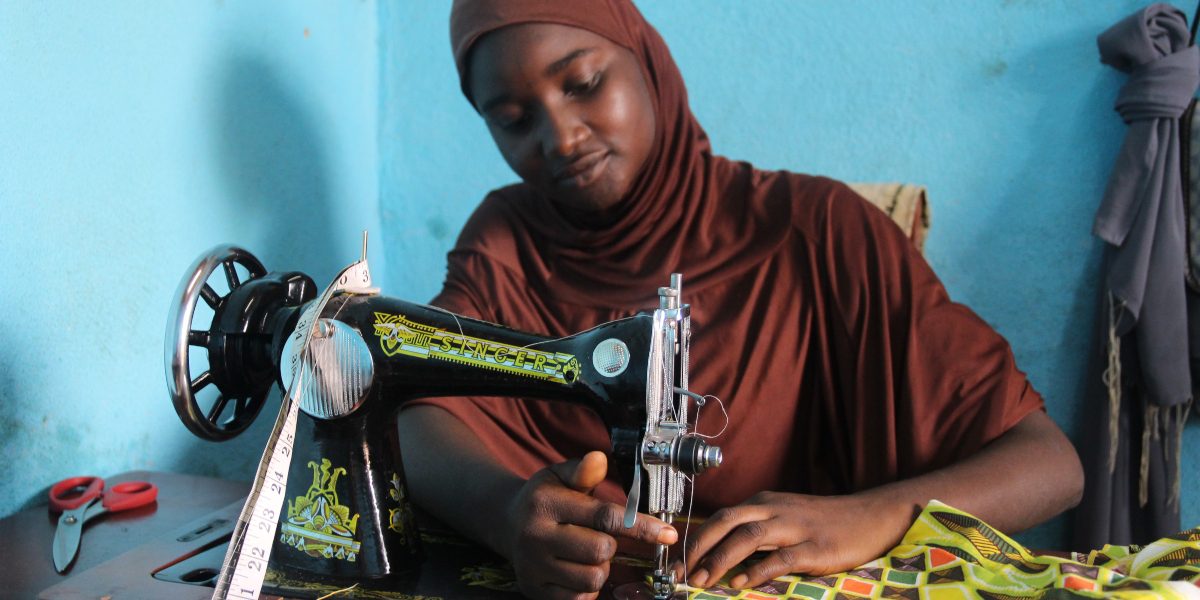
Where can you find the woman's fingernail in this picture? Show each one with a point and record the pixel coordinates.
(667, 535)
(738, 582)
(698, 578)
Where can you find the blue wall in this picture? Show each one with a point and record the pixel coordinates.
(132, 139)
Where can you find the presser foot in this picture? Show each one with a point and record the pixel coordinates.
(663, 583)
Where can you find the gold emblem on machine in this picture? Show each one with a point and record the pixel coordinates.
(317, 523)
(398, 335)
(401, 519)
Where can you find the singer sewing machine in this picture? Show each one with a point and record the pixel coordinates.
(356, 356)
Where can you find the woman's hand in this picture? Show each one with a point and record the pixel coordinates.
(803, 534)
(826, 534)
(562, 538)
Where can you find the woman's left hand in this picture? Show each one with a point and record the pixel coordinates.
(803, 534)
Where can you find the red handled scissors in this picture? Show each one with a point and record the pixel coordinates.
(82, 499)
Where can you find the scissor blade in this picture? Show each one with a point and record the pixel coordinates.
(66, 539)
(70, 528)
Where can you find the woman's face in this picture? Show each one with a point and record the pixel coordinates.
(568, 109)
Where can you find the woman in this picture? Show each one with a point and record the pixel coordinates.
(856, 390)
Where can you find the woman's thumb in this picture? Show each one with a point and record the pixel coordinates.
(585, 474)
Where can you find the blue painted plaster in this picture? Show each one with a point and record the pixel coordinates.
(131, 140)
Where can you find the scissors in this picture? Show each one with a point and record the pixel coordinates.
(81, 499)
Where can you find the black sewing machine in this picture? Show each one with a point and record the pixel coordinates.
(352, 358)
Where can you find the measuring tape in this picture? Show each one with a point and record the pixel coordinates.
(245, 564)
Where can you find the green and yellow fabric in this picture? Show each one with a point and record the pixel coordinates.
(949, 555)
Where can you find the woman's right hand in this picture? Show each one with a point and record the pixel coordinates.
(562, 539)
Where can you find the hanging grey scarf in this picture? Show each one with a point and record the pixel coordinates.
(1142, 218)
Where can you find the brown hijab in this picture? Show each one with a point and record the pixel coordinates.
(663, 226)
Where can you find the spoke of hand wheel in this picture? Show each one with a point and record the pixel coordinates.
(210, 296)
(201, 380)
(217, 407)
(231, 274)
(198, 338)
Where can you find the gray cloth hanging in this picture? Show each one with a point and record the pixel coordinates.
(1132, 466)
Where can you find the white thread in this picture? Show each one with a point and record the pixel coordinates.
(701, 401)
(720, 404)
(688, 523)
(452, 315)
(526, 346)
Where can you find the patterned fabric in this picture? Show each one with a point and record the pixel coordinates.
(949, 554)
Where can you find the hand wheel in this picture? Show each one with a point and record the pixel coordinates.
(241, 404)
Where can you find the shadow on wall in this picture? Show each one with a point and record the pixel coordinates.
(271, 155)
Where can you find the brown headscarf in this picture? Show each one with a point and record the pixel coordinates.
(663, 225)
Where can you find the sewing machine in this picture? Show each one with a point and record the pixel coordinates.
(347, 516)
